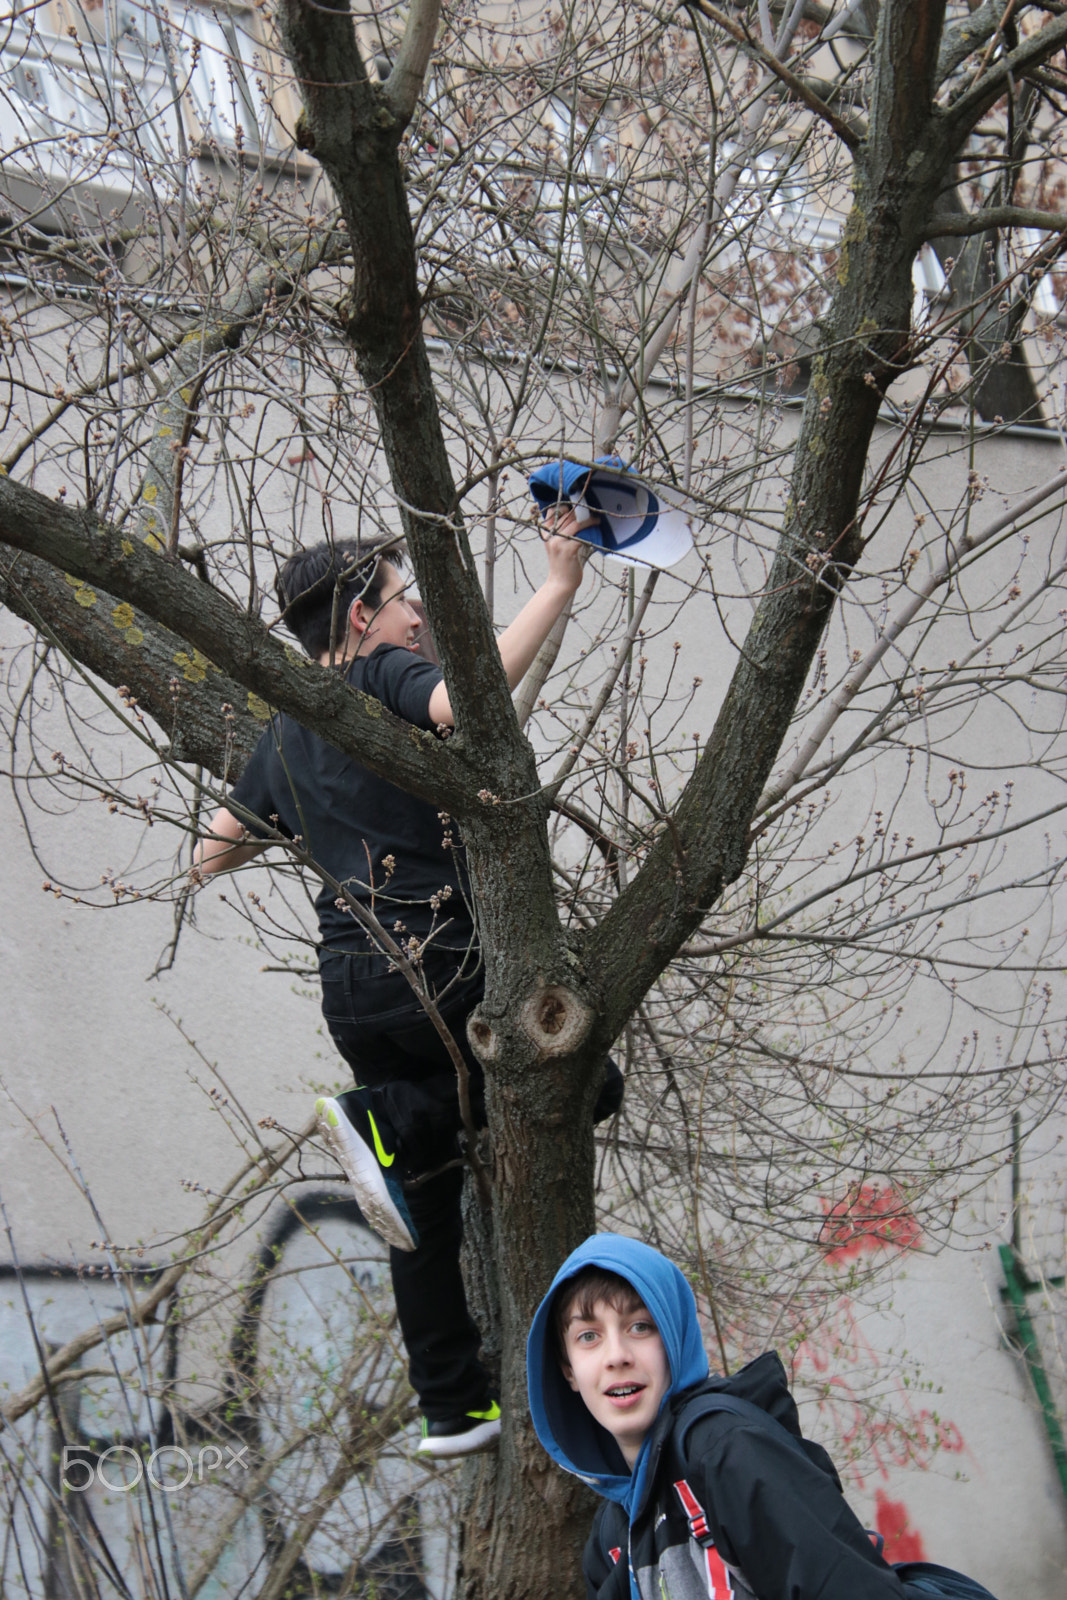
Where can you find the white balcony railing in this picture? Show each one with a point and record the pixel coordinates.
(111, 109)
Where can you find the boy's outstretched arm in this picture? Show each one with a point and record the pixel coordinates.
(225, 845)
(521, 639)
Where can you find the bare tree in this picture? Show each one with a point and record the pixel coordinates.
(605, 221)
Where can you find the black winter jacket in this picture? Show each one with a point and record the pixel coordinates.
(731, 1508)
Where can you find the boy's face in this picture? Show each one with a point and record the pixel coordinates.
(616, 1361)
(393, 621)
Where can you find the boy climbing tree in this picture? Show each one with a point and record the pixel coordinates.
(396, 1134)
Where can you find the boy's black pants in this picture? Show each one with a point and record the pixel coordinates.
(393, 1049)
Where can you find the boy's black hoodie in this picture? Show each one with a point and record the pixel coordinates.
(728, 1508)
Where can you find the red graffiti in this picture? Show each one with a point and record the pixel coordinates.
(897, 1433)
(902, 1542)
(868, 1217)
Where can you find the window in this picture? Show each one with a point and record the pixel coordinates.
(140, 67)
(216, 62)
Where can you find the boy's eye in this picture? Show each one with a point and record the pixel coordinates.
(586, 1336)
(643, 1325)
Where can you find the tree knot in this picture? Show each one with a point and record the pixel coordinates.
(556, 1020)
(482, 1037)
(303, 137)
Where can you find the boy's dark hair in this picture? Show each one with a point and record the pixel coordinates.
(317, 588)
(578, 1297)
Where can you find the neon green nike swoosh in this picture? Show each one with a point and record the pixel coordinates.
(486, 1416)
(385, 1160)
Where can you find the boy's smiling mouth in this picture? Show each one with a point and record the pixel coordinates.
(624, 1391)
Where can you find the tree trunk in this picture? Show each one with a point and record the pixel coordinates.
(554, 999)
(524, 1522)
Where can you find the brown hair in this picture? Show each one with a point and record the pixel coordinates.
(579, 1296)
(317, 587)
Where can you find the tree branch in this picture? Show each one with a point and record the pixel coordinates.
(254, 1175)
(990, 310)
(844, 696)
(125, 647)
(79, 543)
(945, 226)
(355, 136)
(863, 347)
(962, 38)
(541, 667)
(604, 693)
(960, 117)
(87, 390)
(404, 83)
(159, 501)
(848, 135)
(625, 391)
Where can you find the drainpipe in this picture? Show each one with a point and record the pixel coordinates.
(1018, 1285)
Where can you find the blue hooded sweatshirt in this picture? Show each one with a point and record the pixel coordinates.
(568, 1431)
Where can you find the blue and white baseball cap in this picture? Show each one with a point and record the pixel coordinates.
(637, 522)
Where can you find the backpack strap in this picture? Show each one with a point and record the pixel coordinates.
(703, 1405)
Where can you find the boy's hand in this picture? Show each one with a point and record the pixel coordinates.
(567, 554)
(567, 520)
(522, 638)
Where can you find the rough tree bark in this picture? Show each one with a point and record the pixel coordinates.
(200, 710)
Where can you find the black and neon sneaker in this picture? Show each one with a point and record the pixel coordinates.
(465, 1435)
(358, 1139)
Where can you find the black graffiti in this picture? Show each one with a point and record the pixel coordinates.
(234, 1422)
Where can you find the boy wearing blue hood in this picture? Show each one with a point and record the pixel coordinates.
(710, 1489)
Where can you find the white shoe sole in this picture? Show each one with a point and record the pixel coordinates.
(484, 1437)
(364, 1174)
